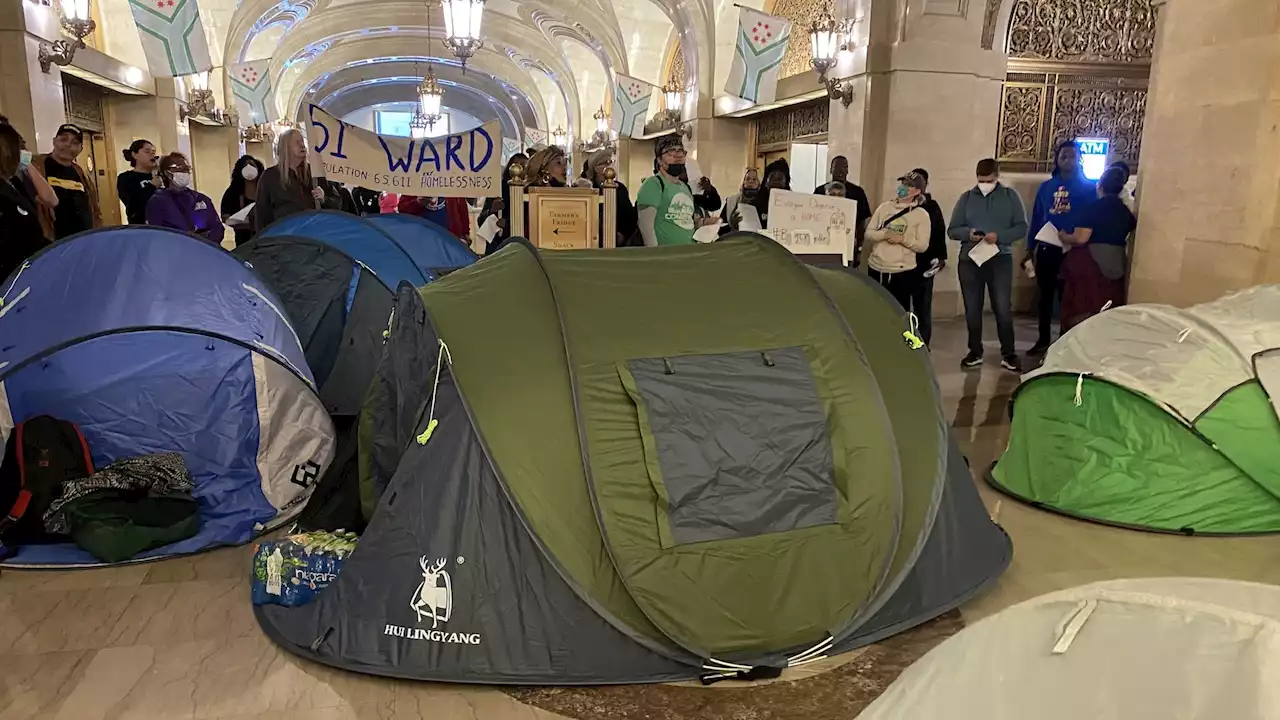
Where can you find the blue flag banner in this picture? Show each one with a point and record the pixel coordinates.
(466, 164)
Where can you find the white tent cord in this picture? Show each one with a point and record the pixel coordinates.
(1080, 389)
(25, 264)
(1183, 335)
(1072, 628)
(1105, 307)
(721, 665)
(819, 648)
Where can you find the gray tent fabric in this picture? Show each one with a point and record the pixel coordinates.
(741, 441)
(511, 618)
(337, 306)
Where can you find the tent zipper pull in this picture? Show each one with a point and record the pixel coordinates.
(442, 356)
(768, 361)
(426, 434)
(1080, 389)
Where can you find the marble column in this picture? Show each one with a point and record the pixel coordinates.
(30, 98)
(925, 94)
(1209, 185)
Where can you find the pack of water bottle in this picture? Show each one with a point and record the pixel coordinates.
(290, 571)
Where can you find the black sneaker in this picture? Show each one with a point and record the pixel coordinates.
(1011, 363)
(972, 360)
(1039, 349)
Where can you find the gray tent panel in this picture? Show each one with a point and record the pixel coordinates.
(741, 440)
(360, 348)
(447, 584)
(965, 553)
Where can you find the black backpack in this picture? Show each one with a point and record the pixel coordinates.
(41, 454)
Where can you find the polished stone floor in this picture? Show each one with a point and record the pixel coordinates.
(177, 639)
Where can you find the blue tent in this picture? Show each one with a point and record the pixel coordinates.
(156, 341)
(336, 276)
(394, 247)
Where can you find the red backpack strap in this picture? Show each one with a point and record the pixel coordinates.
(20, 503)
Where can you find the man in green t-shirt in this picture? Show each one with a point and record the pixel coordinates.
(665, 203)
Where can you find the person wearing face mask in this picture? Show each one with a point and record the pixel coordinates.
(240, 194)
(77, 208)
(28, 181)
(899, 230)
(990, 213)
(136, 185)
(750, 188)
(20, 233)
(179, 207)
(1061, 200)
(664, 204)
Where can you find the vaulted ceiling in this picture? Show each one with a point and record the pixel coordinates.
(545, 63)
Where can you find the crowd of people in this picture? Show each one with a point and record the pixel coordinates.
(51, 197)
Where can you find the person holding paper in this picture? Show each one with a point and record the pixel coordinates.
(988, 220)
(1061, 200)
(287, 188)
(899, 230)
(746, 194)
(497, 206)
(179, 207)
(777, 176)
(240, 194)
(625, 217)
(664, 204)
(1093, 272)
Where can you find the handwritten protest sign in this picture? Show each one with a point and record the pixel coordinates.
(466, 164)
(812, 224)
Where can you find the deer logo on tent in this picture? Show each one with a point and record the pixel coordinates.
(434, 596)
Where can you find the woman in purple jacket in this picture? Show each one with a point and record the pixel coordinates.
(179, 207)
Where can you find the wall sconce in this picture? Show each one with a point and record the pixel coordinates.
(673, 98)
(199, 98)
(260, 133)
(559, 137)
(602, 138)
(826, 40)
(75, 20)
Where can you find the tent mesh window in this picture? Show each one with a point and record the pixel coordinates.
(736, 444)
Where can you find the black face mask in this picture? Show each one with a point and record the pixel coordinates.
(675, 169)
(750, 193)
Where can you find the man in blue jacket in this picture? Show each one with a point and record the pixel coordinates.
(1061, 200)
(988, 214)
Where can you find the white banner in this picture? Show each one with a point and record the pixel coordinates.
(812, 224)
(172, 36)
(466, 164)
(251, 88)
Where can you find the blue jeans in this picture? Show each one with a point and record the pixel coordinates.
(996, 277)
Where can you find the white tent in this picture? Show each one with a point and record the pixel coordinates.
(1149, 649)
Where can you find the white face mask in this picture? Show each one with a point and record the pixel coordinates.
(987, 188)
(180, 181)
(249, 172)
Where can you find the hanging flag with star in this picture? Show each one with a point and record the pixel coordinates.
(630, 105)
(252, 90)
(172, 36)
(535, 138)
(762, 41)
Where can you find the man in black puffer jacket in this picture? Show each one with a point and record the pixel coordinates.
(929, 262)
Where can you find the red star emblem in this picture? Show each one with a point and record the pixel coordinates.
(169, 3)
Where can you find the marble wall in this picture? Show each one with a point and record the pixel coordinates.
(1209, 208)
(29, 97)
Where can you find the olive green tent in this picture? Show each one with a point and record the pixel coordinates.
(1157, 418)
(645, 464)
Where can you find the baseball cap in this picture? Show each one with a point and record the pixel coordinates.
(68, 128)
(666, 143)
(915, 180)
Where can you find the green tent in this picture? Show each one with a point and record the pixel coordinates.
(645, 464)
(1158, 418)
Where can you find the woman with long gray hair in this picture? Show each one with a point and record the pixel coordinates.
(287, 187)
